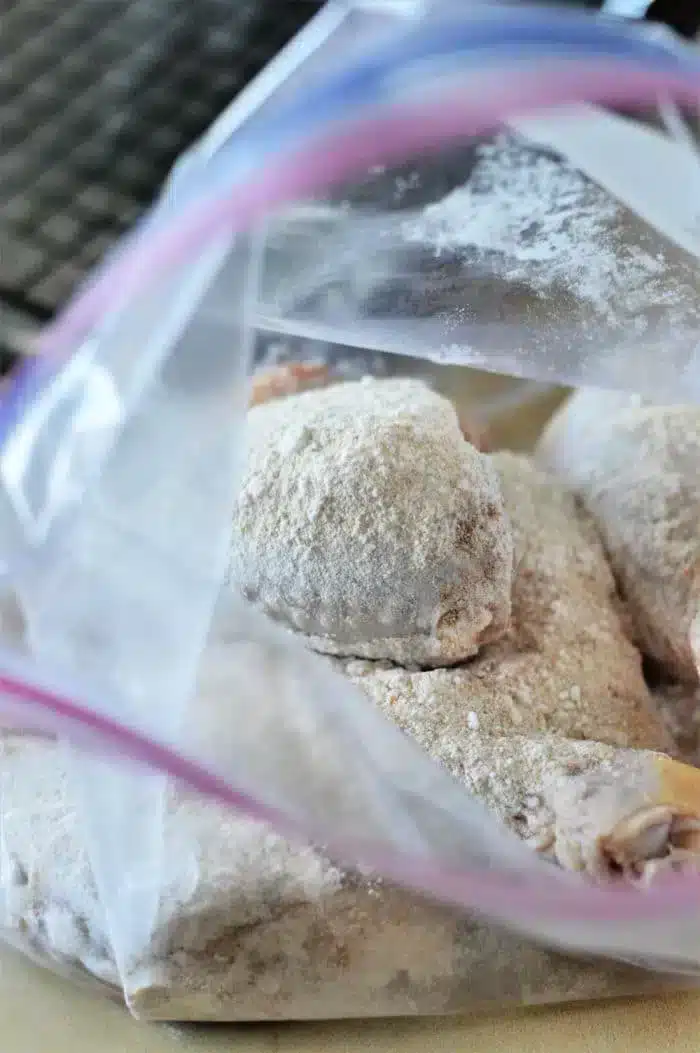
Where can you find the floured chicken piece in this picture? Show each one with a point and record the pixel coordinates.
(604, 811)
(292, 378)
(635, 466)
(368, 524)
(565, 666)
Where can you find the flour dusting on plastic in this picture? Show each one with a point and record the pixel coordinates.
(535, 218)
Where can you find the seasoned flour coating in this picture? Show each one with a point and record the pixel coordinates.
(565, 667)
(367, 523)
(636, 467)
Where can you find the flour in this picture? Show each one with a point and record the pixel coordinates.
(368, 524)
(635, 466)
(536, 220)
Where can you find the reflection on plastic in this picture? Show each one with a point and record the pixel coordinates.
(44, 461)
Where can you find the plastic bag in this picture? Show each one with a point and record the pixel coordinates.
(122, 452)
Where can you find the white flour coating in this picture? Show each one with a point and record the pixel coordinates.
(368, 524)
(553, 228)
(635, 466)
(566, 665)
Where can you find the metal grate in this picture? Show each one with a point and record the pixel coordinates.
(97, 100)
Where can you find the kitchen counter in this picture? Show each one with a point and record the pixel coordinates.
(41, 1011)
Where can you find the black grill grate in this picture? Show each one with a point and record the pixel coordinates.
(97, 100)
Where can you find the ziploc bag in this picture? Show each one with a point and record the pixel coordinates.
(188, 885)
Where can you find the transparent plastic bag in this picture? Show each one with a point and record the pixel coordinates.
(122, 452)
(527, 269)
